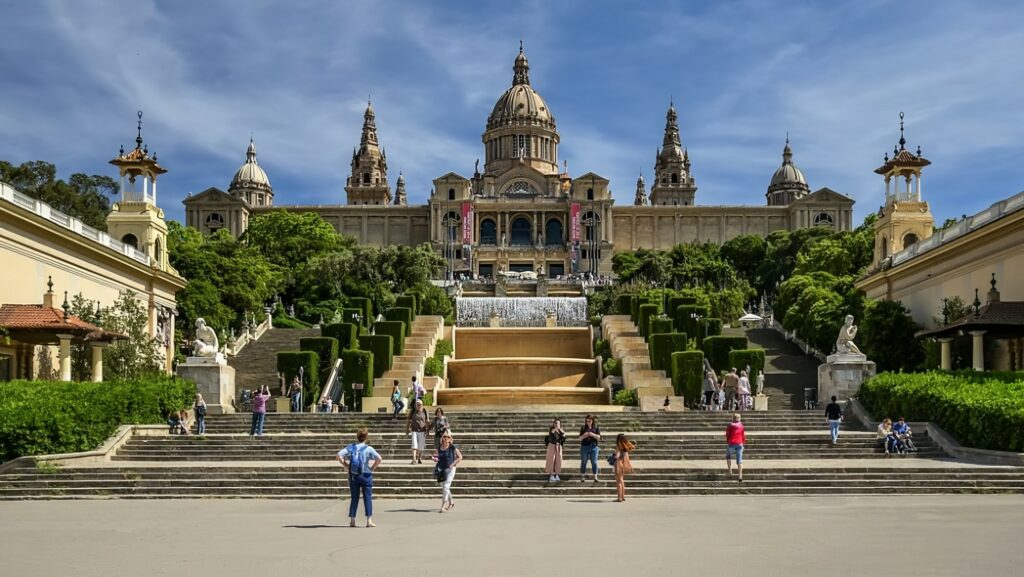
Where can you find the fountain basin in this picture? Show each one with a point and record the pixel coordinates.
(522, 372)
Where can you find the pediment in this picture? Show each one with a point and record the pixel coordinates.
(826, 194)
(590, 176)
(451, 177)
(212, 195)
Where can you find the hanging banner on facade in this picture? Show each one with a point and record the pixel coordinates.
(574, 219)
(467, 223)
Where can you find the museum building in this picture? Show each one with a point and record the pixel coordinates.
(523, 211)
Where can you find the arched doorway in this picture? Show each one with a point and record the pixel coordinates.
(553, 234)
(520, 232)
(488, 232)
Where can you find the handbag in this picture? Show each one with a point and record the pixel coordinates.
(612, 458)
(440, 475)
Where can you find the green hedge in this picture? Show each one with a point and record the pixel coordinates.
(602, 348)
(347, 334)
(626, 397)
(288, 364)
(381, 346)
(634, 308)
(409, 301)
(981, 410)
(688, 374)
(676, 302)
(647, 312)
(47, 417)
(742, 358)
(443, 348)
(714, 327)
(403, 314)
(286, 322)
(716, 349)
(662, 345)
(686, 324)
(326, 349)
(349, 315)
(356, 367)
(365, 307)
(661, 324)
(612, 368)
(624, 304)
(396, 329)
(433, 367)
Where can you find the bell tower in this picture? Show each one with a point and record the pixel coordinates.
(905, 218)
(135, 219)
(368, 183)
(673, 183)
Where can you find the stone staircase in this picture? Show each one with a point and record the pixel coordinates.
(419, 346)
(677, 454)
(256, 365)
(787, 372)
(631, 350)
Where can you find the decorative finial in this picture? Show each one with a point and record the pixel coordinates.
(66, 306)
(520, 45)
(903, 141)
(49, 284)
(886, 158)
(993, 281)
(977, 303)
(138, 136)
(121, 152)
(787, 138)
(919, 151)
(96, 315)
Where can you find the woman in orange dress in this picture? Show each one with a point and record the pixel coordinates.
(623, 467)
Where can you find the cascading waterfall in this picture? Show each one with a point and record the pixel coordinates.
(521, 311)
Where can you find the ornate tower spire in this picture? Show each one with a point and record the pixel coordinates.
(671, 139)
(521, 68)
(368, 183)
(401, 198)
(673, 182)
(641, 192)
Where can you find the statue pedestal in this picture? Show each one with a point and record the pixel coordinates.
(215, 381)
(842, 376)
(760, 402)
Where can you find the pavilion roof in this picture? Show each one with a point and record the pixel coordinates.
(1002, 319)
(39, 323)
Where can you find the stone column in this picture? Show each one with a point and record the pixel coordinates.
(97, 361)
(65, 357)
(947, 357)
(978, 353)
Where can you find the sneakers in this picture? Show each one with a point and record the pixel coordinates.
(552, 479)
(557, 478)
(583, 478)
(596, 479)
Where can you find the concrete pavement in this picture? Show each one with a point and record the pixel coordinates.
(740, 535)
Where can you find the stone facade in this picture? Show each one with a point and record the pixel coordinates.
(523, 212)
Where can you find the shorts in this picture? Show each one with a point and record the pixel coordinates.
(736, 450)
(419, 441)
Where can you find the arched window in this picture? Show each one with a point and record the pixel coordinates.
(823, 219)
(366, 178)
(488, 232)
(214, 220)
(553, 232)
(131, 240)
(451, 194)
(675, 178)
(520, 232)
(909, 240)
(158, 250)
(885, 247)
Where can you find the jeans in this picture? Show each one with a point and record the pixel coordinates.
(735, 451)
(398, 406)
(296, 408)
(446, 487)
(588, 452)
(257, 423)
(357, 483)
(200, 425)
(833, 427)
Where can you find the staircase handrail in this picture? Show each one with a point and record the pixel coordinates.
(250, 335)
(332, 382)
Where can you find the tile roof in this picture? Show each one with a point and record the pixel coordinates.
(993, 316)
(39, 317)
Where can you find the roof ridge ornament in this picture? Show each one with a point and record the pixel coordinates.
(903, 141)
(138, 137)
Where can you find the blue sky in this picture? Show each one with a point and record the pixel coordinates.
(835, 75)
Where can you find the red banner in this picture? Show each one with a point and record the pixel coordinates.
(467, 223)
(574, 220)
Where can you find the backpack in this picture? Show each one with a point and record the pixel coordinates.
(201, 410)
(356, 459)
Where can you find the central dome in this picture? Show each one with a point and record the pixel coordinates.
(250, 175)
(520, 104)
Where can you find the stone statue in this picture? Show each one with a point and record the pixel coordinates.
(760, 384)
(206, 344)
(844, 343)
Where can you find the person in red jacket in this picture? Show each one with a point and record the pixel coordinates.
(735, 437)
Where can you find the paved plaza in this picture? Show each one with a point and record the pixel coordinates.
(738, 535)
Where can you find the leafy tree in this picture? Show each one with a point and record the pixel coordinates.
(287, 239)
(137, 357)
(745, 253)
(888, 337)
(81, 356)
(85, 197)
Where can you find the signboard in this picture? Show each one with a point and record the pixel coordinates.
(574, 220)
(357, 386)
(467, 222)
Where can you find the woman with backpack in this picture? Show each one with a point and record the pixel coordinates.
(360, 460)
(200, 411)
(448, 458)
(620, 460)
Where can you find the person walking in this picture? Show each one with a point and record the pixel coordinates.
(416, 391)
(396, 400)
(295, 394)
(259, 410)
(623, 466)
(735, 438)
(360, 460)
(590, 436)
(439, 426)
(834, 416)
(744, 390)
(448, 458)
(199, 409)
(709, 388)
(416, 426)
(555, 441)
(731, 384)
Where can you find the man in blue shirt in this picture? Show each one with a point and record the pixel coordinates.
(902, 431)
(360, 461)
